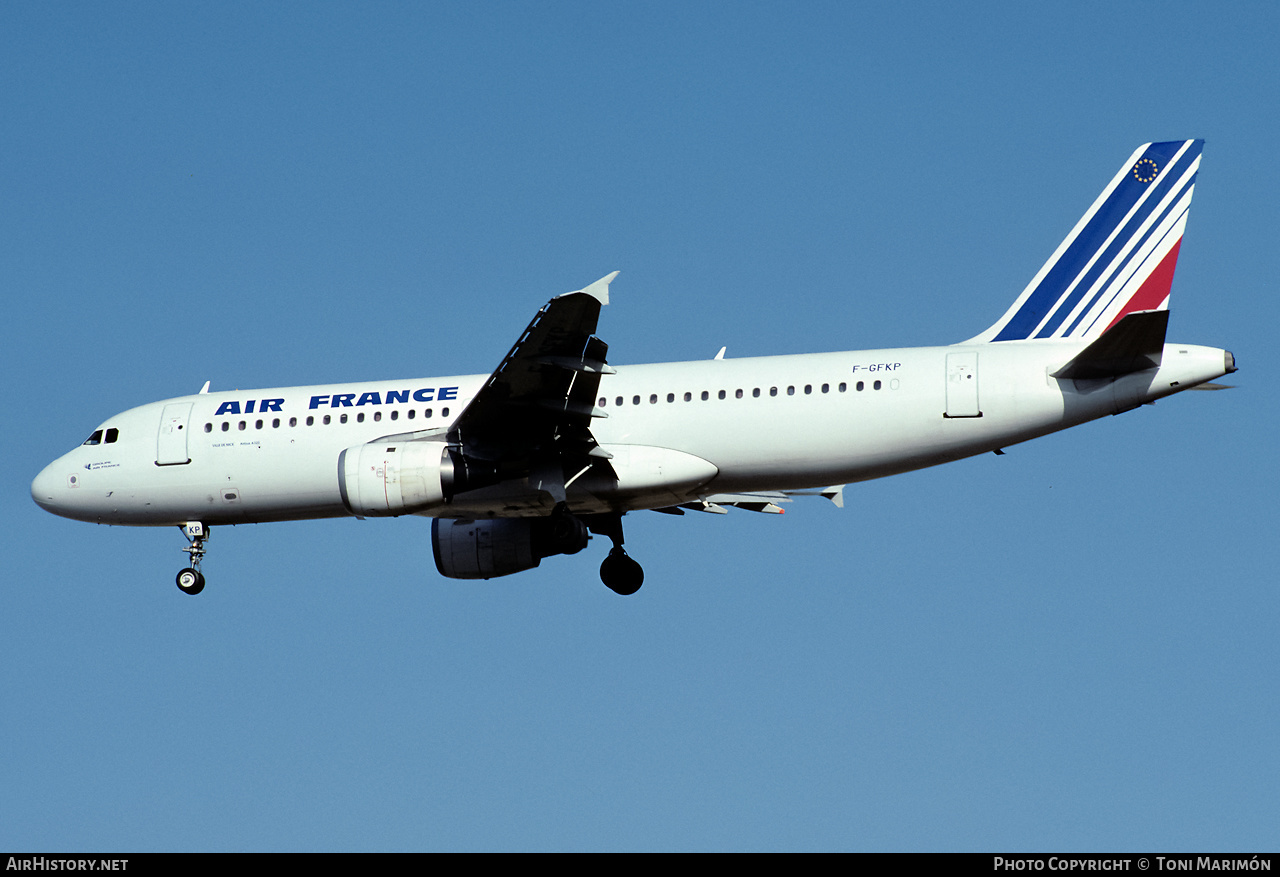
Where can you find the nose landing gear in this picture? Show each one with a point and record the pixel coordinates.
(191, 580)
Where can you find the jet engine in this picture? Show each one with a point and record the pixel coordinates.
(389, 477)
(485, 549)
(394, 478)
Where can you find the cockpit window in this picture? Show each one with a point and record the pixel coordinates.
(95, 439)
(112, 435)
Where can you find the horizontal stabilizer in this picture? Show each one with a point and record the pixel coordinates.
(1131, 345)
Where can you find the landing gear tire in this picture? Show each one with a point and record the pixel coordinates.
(621, 574)
(191, 581)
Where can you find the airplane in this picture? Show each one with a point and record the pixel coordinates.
(557, 444)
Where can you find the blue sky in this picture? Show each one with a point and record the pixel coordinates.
(1070, 647)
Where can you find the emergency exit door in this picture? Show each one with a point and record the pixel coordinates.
(171, 444)
(962, 385)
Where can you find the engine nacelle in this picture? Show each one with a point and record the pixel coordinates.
(394, 478)
(485, 549)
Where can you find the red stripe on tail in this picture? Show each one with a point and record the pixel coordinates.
(1155, 288)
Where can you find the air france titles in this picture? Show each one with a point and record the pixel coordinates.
(264, 405)
(344, 400)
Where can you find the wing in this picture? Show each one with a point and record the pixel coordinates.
(759, 501)
(533, 415)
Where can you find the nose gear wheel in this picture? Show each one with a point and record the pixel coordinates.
(191, 580)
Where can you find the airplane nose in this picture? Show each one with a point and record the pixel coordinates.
(46, 487)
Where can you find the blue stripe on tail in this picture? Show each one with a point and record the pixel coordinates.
(1053, 287)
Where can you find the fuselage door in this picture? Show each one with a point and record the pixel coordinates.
(962, 384)
(171, 444)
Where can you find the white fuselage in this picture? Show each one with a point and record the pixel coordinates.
(676, 432)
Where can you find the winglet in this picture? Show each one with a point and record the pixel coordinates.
(598, 290)
(205, 388)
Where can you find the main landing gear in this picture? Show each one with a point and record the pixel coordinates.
(191, 580)
(619, 572)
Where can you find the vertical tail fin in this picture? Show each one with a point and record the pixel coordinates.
(1120, 256)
